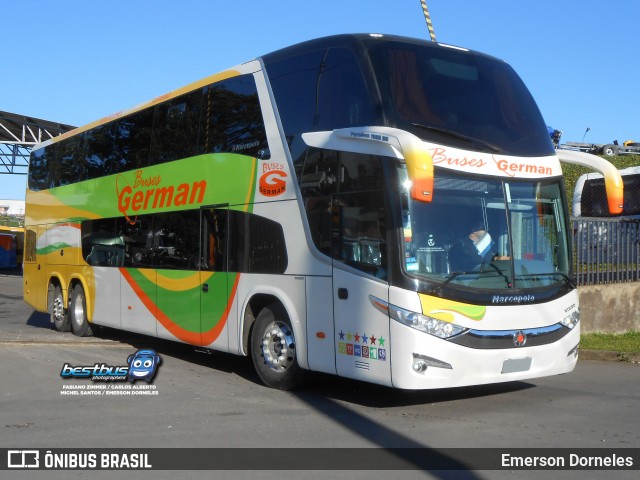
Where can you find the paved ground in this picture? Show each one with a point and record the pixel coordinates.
(216, 401)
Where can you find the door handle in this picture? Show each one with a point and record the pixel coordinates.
(343, 293)
(205, 287)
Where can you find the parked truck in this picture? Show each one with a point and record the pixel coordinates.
(630, 147)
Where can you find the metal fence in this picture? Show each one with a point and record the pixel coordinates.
(606, 250)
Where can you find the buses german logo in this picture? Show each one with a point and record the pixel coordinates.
(150, 193)
(273, 180)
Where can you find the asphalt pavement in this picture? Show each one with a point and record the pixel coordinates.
(200, 400)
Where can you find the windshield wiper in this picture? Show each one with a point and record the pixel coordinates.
(459, 136)
(564, 276)
(473, 272)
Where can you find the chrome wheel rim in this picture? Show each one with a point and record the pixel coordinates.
(278, 346)
(58, 309)
(78, 311)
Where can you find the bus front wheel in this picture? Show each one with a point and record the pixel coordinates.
(57, 313)
(273, 349)
(78, 313)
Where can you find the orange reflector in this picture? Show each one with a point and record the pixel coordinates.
(320, 335)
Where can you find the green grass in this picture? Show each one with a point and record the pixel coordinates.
(10, 222)
(625, 342)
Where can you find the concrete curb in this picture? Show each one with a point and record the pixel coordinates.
(609, 356)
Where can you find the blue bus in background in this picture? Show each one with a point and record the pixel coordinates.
(8, 247)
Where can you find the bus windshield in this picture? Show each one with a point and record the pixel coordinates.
(459, 98)
(487, 233)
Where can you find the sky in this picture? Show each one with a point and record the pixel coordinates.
(75, 61)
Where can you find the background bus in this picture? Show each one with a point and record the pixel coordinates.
(590, 198)
(19, 234)
(611, 241)
(8, 247)
(307, 208)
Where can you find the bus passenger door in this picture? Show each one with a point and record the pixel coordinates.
(32, 275)
(216, 300)
(359, 280)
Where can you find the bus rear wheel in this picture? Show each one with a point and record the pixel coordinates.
(273, 349)
(78, 313)
(57, 313)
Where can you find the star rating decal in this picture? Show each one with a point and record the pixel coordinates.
(362, 345)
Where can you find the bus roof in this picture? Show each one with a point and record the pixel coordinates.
(355, 41)
(161, 98)
(358, 42)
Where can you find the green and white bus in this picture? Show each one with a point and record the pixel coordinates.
(376, 207)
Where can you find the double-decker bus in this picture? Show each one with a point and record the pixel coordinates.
(377, 207)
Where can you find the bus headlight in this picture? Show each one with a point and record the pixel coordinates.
(571, 320)
(424, 323)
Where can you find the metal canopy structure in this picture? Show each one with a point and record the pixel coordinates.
(18, 135)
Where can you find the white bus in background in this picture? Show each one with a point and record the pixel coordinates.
(602, 238)
(590, 197)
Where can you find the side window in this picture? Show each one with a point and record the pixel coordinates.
(318, 182)
(259, 245)
(102, 246)
(361, 240)
(632, 194)
(99, 150)
(71, 161)
(294, 82)
(214, 240)
(344, 199)
(168, 241)
(594, 199)
(233, 122)
(175, 240)
(175, 128)
(360, 211)
(30, 239)
(593, 202)
(40, 165)
(343, 96)
(139, 240)
(132, 141)
(320, 90)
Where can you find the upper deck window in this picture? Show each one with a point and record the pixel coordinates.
(322, 89)
(458, 98)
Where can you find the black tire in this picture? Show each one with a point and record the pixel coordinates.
(273, 349)
(58, 315)
(78, 313)
(610, 150)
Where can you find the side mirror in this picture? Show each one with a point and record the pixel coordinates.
(420, 172)
(385, 141)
